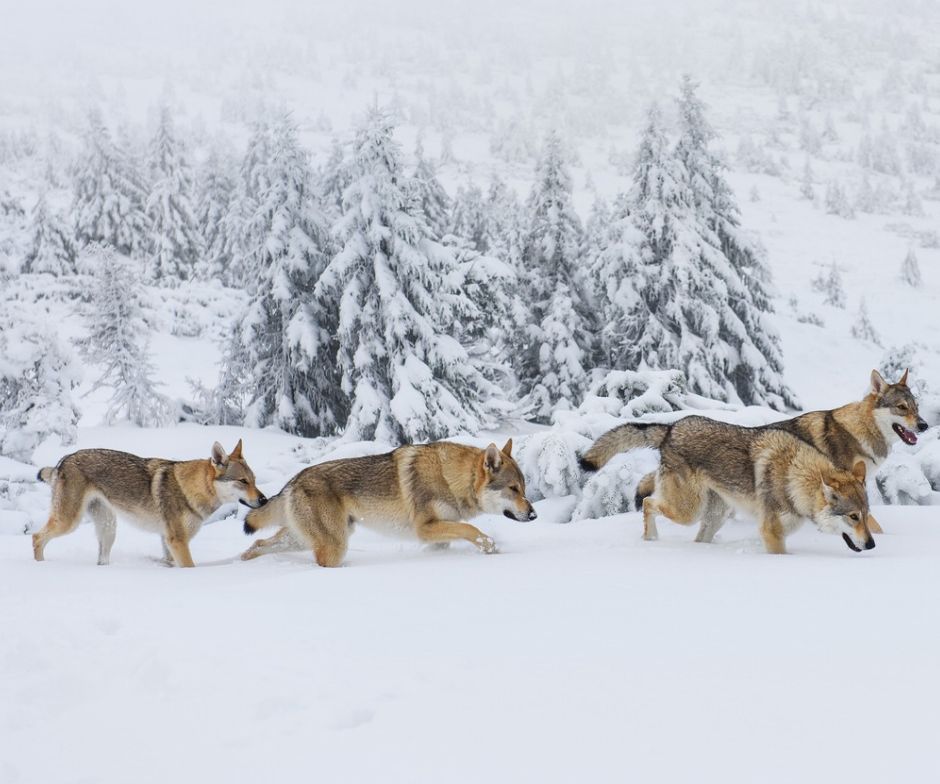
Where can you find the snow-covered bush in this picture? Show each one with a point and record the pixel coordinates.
(612, 489)
(912, 476)
(37, 375)
(549, 462)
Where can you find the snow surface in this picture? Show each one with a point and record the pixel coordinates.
(579, 652)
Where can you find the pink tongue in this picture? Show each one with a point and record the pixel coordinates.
(910, 437)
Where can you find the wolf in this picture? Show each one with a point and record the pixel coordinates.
(860, 431)
(708, 468)
(428, 491)
(168, 497)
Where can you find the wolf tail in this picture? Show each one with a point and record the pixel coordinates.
(623, 439)
(272, 513)
(46, 475)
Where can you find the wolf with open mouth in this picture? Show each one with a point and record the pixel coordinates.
(861, 431)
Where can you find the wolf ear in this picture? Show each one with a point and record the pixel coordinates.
(491, 458)
(218, 454)
(903, 380)
(878, 383)
(236, 453)
(507, 449)
(829, 493)
(858, 471)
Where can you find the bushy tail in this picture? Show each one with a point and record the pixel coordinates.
(622, 439)
(46, 475)
(272, 513)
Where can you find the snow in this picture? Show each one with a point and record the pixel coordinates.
(579, 652)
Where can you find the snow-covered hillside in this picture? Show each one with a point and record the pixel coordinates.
(328, 229)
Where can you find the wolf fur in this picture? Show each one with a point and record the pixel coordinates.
(861, 431)
(428, 491)
(168, 497)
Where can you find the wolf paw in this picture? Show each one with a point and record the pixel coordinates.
(486, 544)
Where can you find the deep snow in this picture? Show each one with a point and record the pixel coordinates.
(578, 652)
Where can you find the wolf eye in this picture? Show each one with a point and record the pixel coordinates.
(854, 516)
(902, 406)
(243, 481)
(514, 488)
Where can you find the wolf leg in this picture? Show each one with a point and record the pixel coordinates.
(680, 501)
(874, 526)
(435, 530)
(282, 542)
(771, 531)
(64, 517)
(715, 515)
(105, 528)
(177, 542)
(644, 489)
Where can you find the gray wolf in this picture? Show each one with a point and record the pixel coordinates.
(428, 491)
(707, 468)
(860, 431)
(168, 497)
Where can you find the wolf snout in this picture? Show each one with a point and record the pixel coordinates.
(261, 501)
(870, 543)
(921, 425)
(532, 514)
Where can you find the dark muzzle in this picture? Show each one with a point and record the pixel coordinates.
(262, 500)
(921, 425)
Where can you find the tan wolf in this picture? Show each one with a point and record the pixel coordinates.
(167, 497)
(709, 467)
(861, 431)
(425, 490)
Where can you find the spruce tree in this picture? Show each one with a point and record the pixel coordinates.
(429, 195)
(556, 347)
(252, 183)
(51, 249)
(175, 241)
(469, 217)
(863, 329)
(910, 269)
(110, 195)
(216, 196)
(703, 286)
(287, 333)
(118, 340)
(405, 377)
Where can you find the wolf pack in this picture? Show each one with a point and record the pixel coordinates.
(812, 467)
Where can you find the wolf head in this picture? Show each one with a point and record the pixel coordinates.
(896, 409)
(845, 507)
(501, 486)
(233, 479)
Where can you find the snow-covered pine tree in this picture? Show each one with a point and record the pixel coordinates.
(288, 333)
(334, 178)
(118, 341)
(831, 286)
(807, 191)
(910, 269)
(503, 236)
(252, 182)
(837, 203)
(429, 195)
(556, 348)
(863, 329)
(38, 374)
(405, 377)
(51, 249)
(753, 360)
(216, 193)
(176, 244)
(110, 195)
(469, 218)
